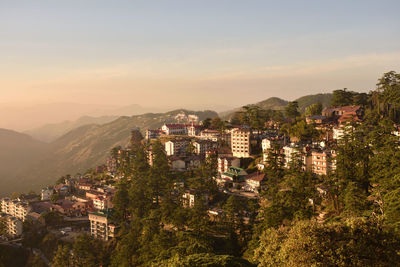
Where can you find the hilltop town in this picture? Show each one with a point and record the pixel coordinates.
(217, 179)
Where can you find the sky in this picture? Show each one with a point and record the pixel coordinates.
(200, 54)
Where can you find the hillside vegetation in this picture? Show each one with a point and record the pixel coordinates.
(50, 132)
(276, 103)
(30, 164)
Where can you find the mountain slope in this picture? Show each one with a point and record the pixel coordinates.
(88, 146)
(276, 103)
(17, 151)
(305, 101)
(50, 132)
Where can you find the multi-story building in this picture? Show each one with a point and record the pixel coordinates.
(101, 226)
(153, 134)
(13, 226)
(15, 208)
(323, 161)
(190, 197)
(270, 145)
(174, 129)
(176, 147)
(338, 132)
(102, 202)
(294, 152)
(225, 162)
(46, 193)
(212, 135)
(291, 153)
(202, 146)
(240, 142)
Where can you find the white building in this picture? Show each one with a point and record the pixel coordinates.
(176, 147)
(266, 144)
(240, 142)
(289, 152)
(174, 129)
(193, 129)
(101, 226)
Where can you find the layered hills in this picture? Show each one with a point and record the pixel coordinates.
(50, 132)
(30, 164)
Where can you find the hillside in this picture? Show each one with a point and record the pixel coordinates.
(16, 151)
(305, 101)
(86, 147)
(276, 103)
(50, 132)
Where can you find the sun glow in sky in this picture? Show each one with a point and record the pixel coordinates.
(186, 53)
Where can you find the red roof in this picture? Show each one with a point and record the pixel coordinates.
(346, 109)
(175, 125)
(257, 176)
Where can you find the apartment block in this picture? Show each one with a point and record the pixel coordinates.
(101, 226)
(176, 147)
(13, 226)
(202, 146)
(15, 208)
(323, 161)
(240, 142)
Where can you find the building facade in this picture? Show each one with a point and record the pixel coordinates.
(15, 208)
(13, 226)
(240, 142)
(323, 161)
(225, 162)
(100, 225)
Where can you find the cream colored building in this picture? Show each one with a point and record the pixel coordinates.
(15, 208)
(14, 226)
(100, 225)
(240, 142)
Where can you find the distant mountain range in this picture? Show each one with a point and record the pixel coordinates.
(25, 118)
(29, 164)
(50, 132)
(276, 103)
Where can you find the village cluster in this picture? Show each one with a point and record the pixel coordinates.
(241, 152)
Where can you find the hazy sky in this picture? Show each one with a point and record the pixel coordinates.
(189, 53)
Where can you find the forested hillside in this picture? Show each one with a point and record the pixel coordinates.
(275, 103)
